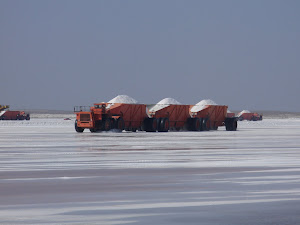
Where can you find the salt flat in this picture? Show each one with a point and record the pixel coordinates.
(49, 174)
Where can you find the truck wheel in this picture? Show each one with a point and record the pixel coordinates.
(93, 130)
(189, 124)
(164, 125)
(119, 124)
(78, 129)
(197, 124)
(231, 124)
(145, 124)
(206, 124)
(27, 117)
(154, 124)
(108, 124)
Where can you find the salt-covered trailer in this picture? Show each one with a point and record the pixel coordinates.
(162, 117)
(247, 115)
(6, 114)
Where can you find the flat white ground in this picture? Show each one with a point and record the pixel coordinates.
(49, 174)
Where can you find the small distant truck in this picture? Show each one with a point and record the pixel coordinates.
(133, 117)
(6, 114)
(250, 116)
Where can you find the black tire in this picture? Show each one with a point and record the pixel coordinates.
(119, 124)
(93, 130)
(206, 124)
(163, 125)
(78, 129)
(150, 125)
(145, 124)
(154, 124)
(189, 124)
(107, 124)
(27, 117)
(197, 124)
(231, 124)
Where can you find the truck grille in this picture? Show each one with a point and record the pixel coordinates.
(85, 117)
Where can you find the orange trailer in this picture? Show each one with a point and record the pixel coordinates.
(209, 118)
(167, 117)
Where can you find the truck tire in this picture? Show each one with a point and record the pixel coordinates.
(78, 129)
(197, 124)
(119, 124)
(189, 124)
(107, 124)
(206, 124)
(93, 130)
(154, 124)
(164, 125)
(231, 124)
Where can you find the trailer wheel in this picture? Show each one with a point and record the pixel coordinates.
(164, 125)
(154, 124)
(119, 124)
(78, 129)
(108, 124)
(206, 124)
(145, 124)
(93, 130)
(231, 124)
(197, 124)
(189, 124)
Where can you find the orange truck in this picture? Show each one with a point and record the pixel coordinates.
(108, 116)
(132, 117)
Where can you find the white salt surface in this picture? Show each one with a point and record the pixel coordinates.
(52, 175)
(202, 105)
(164, 103)
(123, 99)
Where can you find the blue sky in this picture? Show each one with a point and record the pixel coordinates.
(57, 54)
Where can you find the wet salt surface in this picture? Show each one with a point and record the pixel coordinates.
(51, 174)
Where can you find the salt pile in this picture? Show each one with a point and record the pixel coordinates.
(244, 111)
(169, 101)
(202, 104)
(164, 103)
(123, 99)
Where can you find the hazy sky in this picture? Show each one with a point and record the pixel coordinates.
(57, 54)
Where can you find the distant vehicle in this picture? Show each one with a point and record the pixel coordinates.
(247, 115)
(15, 115)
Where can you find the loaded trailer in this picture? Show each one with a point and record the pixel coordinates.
(6, 114)
(152, 118)
(247, 115)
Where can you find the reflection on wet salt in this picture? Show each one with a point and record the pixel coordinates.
(50, 173)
